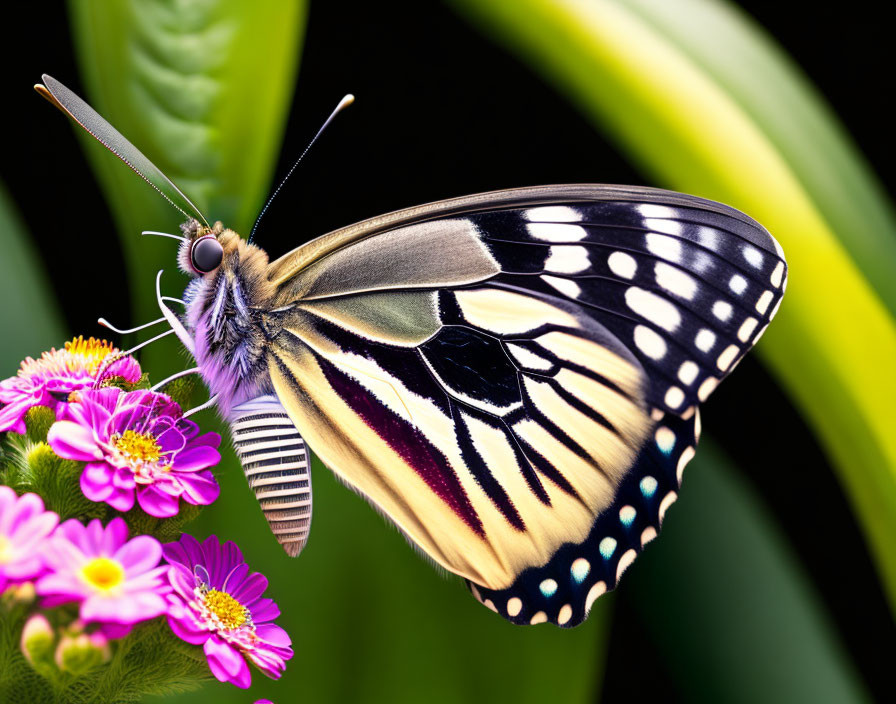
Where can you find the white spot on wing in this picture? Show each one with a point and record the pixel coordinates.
(667, 501)
(708, 237)
(727, 357)
(707, 387)
(674, 397)
(648, 534)
(765, 300)
(746, 329)
(622, 264)
(687, 372)
(628, 557)
(753, 256)
(665, 439)
(675, 281)
(652, 210)
(778, 275)
(650, 342)
(664, 246)
(686, 457)
(567, 287)
(738, 284)
(514, 606)
(567, 259)
(540, 617)
(722, 310)
(705, 340)
(670, 227)
(564, 615)
(593, 593)
(653, 308)
(553, 213)
(556, 232)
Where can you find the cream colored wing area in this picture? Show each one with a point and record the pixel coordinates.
(485, 495)
(424, 255)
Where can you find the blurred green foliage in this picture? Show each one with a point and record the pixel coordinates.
(37, 325)
(704, 102)
(736, 620)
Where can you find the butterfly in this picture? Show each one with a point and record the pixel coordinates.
(511, 378)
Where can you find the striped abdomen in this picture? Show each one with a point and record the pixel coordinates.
(276, 465)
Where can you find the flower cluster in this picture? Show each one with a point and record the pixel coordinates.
(80, 584)
(53, 379)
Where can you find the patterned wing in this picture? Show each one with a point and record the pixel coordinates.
(513, 378)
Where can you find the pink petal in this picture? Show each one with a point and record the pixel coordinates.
(200, 488)
(140, 554)
(157, 502)
(273, 634)
(96, 481)
(226, 664)
(187, 630)
(116, 535)
(131, 608)
(73, 441)
(195, 458)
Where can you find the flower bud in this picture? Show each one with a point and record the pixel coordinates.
(37, 641)
(38, 420)
(22, 593)
(81, 653)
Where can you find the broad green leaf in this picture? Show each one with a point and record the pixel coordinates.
(202, 89)
(681, 117)
(29, 316)
(724, 599)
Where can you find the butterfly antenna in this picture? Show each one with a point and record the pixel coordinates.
(344, 103)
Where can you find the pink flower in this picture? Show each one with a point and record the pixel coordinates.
(217, 603)
(24, 527)
(117, 581)
(137, 443)
(50, 380)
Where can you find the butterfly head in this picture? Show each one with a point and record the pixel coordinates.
(202, 250)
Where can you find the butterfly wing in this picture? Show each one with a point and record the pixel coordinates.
(513, 378)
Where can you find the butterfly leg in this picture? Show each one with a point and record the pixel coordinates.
(177, 375)
(173, 320)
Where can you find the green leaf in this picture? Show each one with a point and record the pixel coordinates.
(34, 318)
(674, 106)
(203, 90)
(723, 597)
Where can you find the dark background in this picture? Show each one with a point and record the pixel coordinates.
(441, 111)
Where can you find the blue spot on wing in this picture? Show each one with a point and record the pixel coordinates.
(576, 569)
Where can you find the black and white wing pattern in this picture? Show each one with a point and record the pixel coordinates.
(513, 378)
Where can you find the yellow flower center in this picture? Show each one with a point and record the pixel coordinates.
(103, 573)
(5, 552)
(229, 611)
(92, 351)
(138, 446)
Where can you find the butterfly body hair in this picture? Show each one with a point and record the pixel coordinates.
(226, 311)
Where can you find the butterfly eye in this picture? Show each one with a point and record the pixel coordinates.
(206, 254)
